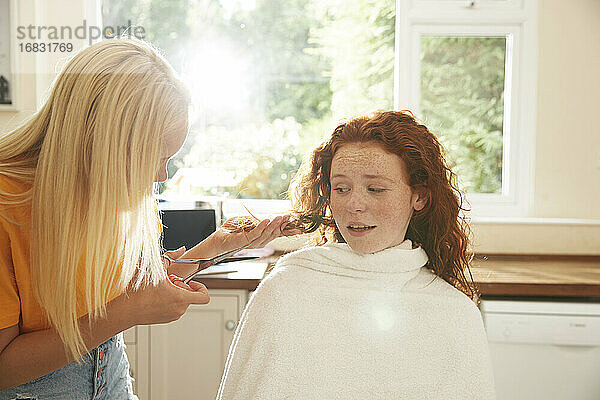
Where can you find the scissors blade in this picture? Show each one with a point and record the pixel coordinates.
(235, 259)
(203, 260)
(203, 264)
(218, 259)
(189, 260)
(209, 263)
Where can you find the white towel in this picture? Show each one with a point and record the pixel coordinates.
(329, 323)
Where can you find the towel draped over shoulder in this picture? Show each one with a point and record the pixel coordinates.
(329, 323)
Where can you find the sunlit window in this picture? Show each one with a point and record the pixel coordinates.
(271, 78)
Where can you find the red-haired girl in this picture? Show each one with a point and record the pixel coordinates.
(365, 314)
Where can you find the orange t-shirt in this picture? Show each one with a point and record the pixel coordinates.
(18, 304)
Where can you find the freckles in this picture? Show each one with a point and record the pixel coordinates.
(357, 162)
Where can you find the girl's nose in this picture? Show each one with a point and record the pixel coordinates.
(356, 202)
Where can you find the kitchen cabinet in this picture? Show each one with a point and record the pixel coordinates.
(132, 341)
(185, 358)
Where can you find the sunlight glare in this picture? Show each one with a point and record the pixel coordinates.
(217, 77)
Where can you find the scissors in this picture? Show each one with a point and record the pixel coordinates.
(203, 263)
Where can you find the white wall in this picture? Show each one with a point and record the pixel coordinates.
(567, 173)
(567, 159)
(567, 170)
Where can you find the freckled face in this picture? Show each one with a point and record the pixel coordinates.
(371, 200)
(173, 143)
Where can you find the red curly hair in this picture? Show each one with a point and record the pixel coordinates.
(439, 227)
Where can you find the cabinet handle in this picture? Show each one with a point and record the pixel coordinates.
(230, 325)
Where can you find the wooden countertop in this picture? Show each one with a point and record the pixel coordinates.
(496, 275)
(552, 276)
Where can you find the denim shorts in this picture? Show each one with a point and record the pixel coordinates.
(103, 374)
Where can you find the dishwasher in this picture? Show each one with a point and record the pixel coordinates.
(544, 349)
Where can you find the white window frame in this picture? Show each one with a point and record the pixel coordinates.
(517, 21)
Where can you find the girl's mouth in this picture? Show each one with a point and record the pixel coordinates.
(359, 230)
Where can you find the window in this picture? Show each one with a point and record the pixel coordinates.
(272, 77)
(467, 69)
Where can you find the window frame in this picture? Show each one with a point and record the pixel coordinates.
(13, 59)
(517, 21)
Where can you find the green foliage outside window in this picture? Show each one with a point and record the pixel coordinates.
(462, 101)
(312, 64)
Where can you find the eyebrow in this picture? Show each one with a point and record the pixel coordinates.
(368, 176)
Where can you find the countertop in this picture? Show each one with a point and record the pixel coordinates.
(543, 276)
(496, 275)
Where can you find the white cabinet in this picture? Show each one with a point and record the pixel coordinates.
(130, 337)
(185, 359)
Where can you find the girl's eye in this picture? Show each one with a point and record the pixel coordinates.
(341, 190)
(377, 190)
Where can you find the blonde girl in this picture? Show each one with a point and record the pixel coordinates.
(80, 259)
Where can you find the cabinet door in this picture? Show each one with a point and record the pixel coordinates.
(131, 352)
(130, 339)
(187, 356)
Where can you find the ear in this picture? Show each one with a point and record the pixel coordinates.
(420, 197)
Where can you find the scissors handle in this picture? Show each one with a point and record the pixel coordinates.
(223, 256)
(185, 280)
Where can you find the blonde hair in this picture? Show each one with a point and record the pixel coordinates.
(91, 155)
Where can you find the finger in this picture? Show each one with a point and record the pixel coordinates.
(276, 232)
(270, 232)
(273, 226)
(182, 285)
(192, 286)
(176, 281)
(257, 232)
(198, 295)
(180, 250)
(200, 298)
(197, 286)
(176, 253)
(277, 229)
